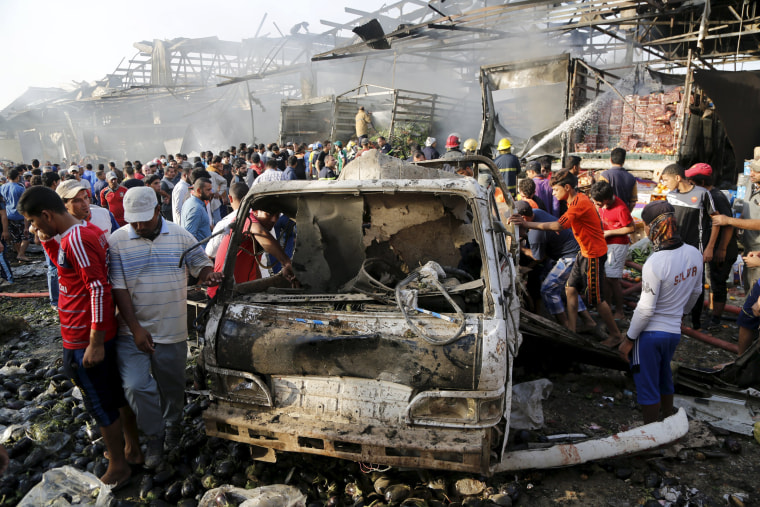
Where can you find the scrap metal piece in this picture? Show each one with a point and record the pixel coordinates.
(634, 440)
(731, 414)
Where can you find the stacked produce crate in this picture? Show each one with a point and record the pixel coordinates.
(615, 124)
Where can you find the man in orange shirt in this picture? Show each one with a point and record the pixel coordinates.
(587, 276)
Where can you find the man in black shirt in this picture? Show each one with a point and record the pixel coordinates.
(726, 249)
(693, 208)
(326, 146)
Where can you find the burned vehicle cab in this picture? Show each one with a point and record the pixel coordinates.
(397, 346)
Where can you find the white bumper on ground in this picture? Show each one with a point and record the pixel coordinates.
(632, 441)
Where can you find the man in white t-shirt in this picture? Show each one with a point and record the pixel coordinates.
(671, 283)
(180, 193)
(237, 193)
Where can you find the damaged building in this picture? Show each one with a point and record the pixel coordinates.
(194, 94)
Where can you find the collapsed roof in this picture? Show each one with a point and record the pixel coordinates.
(431, 47)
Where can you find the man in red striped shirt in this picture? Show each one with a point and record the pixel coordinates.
(88, 324)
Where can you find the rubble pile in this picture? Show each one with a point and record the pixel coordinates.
(44, 426)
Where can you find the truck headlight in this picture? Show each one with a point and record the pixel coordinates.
(239, 386)
(461, 410)
(454, 409)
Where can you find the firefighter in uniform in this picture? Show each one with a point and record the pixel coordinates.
(508, 164)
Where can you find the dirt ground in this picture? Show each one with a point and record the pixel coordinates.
(700, 470)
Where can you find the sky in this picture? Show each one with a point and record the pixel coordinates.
(53, 43)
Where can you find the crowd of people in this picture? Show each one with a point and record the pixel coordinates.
(693, 237)
(112, 241)
(112, 237)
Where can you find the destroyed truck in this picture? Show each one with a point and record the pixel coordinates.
(398, 346)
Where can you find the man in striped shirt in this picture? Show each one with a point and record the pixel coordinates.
(87, 320)
(271, 173)
(150, 291)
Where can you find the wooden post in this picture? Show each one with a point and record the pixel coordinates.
(250, 106)
(686, 110)
(361, 76)
(393, 115)
(569, 107)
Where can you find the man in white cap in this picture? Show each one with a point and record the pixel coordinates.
(77, 202)
(76, 171)
(429, 150)
(150, 292)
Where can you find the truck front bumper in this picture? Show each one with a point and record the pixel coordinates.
(401, 446)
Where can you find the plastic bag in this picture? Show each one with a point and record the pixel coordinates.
(274, 495)
(82, 487)
(527, 411)
(736, 271)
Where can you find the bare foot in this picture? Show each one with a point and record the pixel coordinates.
(133, 458)
(116, 477)
(612, 342)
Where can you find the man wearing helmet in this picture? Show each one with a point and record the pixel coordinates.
(470, 147)
(508, 164)
(313, 169)
(429, 150)
(351, 149)
(454, 153)
(452, 148)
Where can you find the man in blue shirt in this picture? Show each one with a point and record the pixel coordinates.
(195, 218)
(6, 276)
(17, 230)
(290, 171)
(559, 250)
(623, 183)
(385, 146)
(429, 150)
(328, 171)
(89, 175)
(508, 164)
(99, 184)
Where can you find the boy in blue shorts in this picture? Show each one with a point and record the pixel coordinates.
(671, 283)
